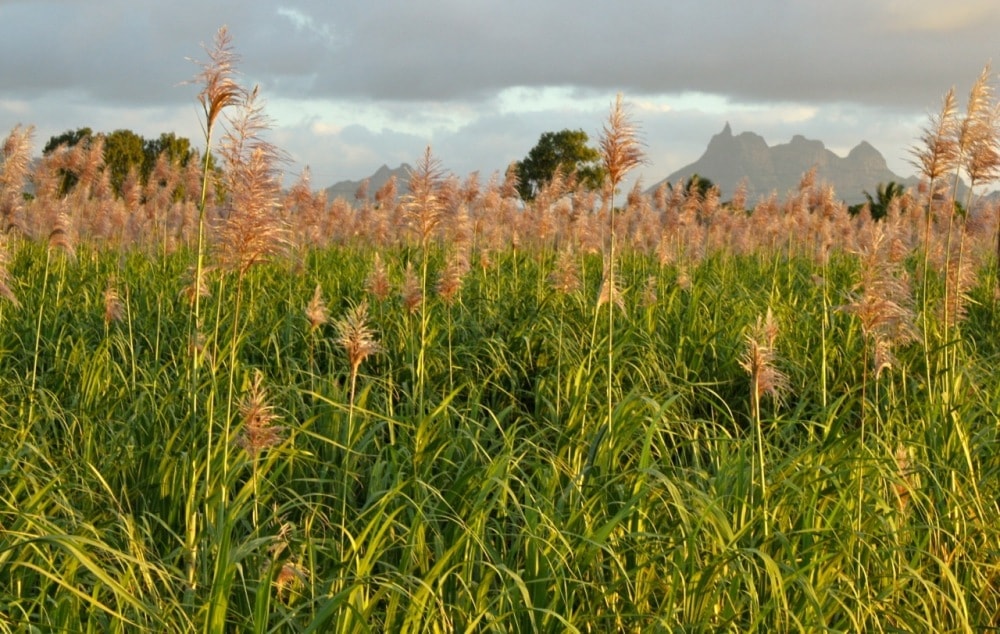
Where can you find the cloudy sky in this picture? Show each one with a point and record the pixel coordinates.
(351, 85)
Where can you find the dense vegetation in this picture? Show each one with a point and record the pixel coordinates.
(229, 407)
(499, 495)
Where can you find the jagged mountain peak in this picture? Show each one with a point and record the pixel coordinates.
(865, 147)
(730, 159)
(346, 189)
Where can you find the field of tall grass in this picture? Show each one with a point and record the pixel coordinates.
(228, 406)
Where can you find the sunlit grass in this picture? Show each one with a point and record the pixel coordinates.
(509, 501)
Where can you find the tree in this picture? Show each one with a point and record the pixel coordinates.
(878, 206)
(68, 138)
(567, 151)
(178, 151)
(124, 150)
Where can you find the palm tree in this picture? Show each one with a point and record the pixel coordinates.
(878, 206)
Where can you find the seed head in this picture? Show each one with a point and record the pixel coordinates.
(61, 237)
(259, 432)
(317, 312)
(377, 283)
(759, 359)
(412, 295)
(356, 337)
(621, 149)
(114, 310)
(565, 278)
(610, 293)
(219, 87)
(5, 277)
(450, 281)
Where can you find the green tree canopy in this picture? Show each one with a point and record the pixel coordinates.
(178, 150)
(566, 150)
(123, 150)
(69, 138)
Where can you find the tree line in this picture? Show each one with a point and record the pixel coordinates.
(566, 152)
(124, 152)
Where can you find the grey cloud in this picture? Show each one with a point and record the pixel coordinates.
(118, 63)
(394, 50)
(752, 51)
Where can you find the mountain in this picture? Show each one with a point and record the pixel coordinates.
(347, 189)
(731, 158)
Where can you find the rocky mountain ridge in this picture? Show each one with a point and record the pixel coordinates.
(348, 189)
(730, 158)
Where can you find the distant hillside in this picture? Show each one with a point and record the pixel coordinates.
(729, 159)
(347, 189)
